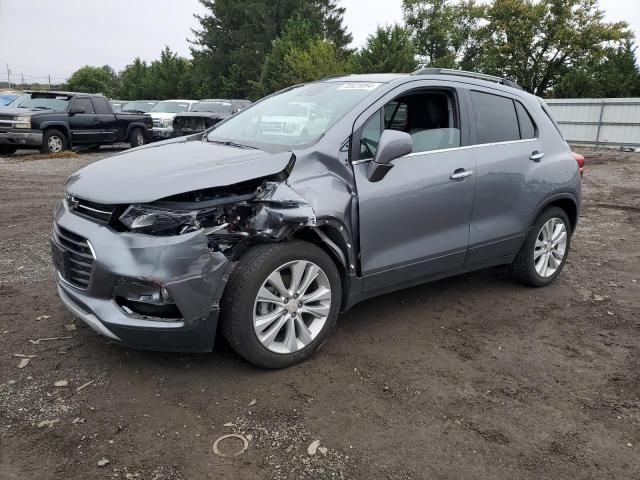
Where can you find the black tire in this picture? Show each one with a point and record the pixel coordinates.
(53, 134)
(241, 291)
(7, 149)
(523, 267)
(136, 138)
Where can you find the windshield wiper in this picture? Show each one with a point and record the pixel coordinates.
(230, 143)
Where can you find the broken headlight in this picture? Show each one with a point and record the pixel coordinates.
(154, 220)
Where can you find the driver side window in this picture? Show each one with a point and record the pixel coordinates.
(370, 137)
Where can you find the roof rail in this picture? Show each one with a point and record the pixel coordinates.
(463, 73)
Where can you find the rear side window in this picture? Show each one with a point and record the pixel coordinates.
(496, 118)
(527, 127)
(101, 105)
(545, 109)
(83, 103)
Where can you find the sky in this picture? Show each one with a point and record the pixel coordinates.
(43, 37)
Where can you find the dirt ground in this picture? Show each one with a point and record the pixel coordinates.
(470, 377)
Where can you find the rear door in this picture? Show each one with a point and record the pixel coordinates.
(507, 153)
(414, 223)
(106, 119)
(85, 127)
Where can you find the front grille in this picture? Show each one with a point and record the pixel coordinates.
(98, 212)
(77, 265)
(157, 122)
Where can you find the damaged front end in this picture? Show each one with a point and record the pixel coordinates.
(154, 278)
(231, 218)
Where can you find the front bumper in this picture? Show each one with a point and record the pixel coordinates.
(161, 133)
(193, 275)
(21, 138)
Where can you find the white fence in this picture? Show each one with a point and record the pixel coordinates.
(598, 121)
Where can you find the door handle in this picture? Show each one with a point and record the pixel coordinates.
(536, 156)
(461, 174)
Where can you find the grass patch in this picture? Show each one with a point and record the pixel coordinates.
(43, 156)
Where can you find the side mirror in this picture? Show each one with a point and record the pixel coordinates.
(393, 144)
(75, 110)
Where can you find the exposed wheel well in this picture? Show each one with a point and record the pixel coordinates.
(569, 207)
(311, 235)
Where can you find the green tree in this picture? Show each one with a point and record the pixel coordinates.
(235, 36)
(536, 43)
(615, 75)
(90, 79)
(389, 50)
(170, 76)
(298, 56)
(445, 31)
(134, 81)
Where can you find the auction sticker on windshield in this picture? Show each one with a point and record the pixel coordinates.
(359, 86)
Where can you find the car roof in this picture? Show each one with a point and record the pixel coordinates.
(174, 100)
(61, 92)
(443, 76)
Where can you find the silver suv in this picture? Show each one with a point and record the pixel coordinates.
(272, 230)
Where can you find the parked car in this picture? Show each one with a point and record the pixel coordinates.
(55, 121)
(7, 97)
(116, 105)
(163, 114)
(205, 114)
(139, 106)
(271, 236)
(297, 118)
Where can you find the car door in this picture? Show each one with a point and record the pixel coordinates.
(414, 223)
(106, 120)
(507, 153)
(83, 122)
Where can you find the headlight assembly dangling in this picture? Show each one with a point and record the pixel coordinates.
(154, 220)
(157, 221)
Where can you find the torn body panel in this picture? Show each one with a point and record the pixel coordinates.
(131, 271)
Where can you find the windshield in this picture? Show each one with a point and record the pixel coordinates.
(16, 102)
(57, 103)
(142, 107)
(171, 107)
(297, 116)
(213, 107)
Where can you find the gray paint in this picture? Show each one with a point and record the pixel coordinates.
(415, 224)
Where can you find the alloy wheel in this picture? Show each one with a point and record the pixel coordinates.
(292, 307)
(55, 144)
(550, 248)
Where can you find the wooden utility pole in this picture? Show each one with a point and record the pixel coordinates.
(8, 75)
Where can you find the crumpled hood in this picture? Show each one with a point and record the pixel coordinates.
(168, 168)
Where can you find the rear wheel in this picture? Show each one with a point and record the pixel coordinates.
(136, 138)
(281, 303)
(545, 251)
(53, 141)
(7, 149)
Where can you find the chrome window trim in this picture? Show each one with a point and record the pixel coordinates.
(466, 147)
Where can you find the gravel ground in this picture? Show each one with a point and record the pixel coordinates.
(470, 377)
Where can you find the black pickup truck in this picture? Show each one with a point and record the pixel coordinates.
(56, 121)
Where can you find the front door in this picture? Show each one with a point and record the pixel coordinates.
(84, 126)
(414, 223)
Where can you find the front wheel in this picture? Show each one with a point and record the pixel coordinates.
(53, 141)
(281, 303)
(136, 138)
(545, 250)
